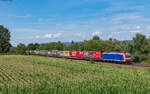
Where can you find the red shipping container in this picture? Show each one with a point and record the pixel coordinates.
(98, 55)
(78, 54)
(92, 54)
(72, 53)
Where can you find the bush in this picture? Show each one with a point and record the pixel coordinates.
(21, 49)
(92, 62)
(138, 57)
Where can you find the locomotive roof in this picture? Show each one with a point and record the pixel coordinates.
(115, 53)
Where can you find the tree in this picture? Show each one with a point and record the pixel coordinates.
(113, 45)
(12, 49)
(72, 42)
(95, 37)
(95, 45)
(140, 48)
(32, 46)
(53, 46)
(140, 42)
(4, 39)
(21, 48)
(73, 47)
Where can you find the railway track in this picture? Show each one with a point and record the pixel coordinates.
(109, 63)
(127, 65)
(119, 64)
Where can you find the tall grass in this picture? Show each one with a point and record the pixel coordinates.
(44, 75)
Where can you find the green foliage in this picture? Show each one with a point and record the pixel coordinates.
(95, 45)
(4, 39)
(32, 46)
(113, 45)
(21, 49)
(147, 61)
(92, 62)
(78, 46)
(12, 49)
(53, 46)
(140, 48)
(95, 37)
(140, 43)
(138, 57)
(72, 42)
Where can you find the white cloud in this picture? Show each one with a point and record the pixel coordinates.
(48, 36)
(126, 27)
(80, 35)
(121, 6)
(115, 33)
(148, 27)
(95, 33)
(37, 36)
(56, 35)
(136, 31)
(147, 35)
(125, 17)
(138, 27)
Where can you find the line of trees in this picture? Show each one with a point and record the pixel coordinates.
(139, 47)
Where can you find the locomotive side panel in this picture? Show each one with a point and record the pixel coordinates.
(113, 57)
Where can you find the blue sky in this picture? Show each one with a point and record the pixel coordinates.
(44, 21)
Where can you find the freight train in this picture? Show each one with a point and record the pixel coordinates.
(120, 57)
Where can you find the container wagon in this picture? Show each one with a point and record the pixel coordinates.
(95, 55)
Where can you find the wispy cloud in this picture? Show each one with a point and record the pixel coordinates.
(24, 16)
(77, 20)
(119, 18)
(69, 27)
(26, 30)
(37, 37)
(56, 35)
(148, 27)
(95, 33)
(136, 31)
(48, 36)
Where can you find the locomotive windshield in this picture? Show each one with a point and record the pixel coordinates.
(128, 55)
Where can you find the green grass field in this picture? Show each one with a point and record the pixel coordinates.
(45, 75)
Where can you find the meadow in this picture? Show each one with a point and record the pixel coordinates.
(20, 74)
